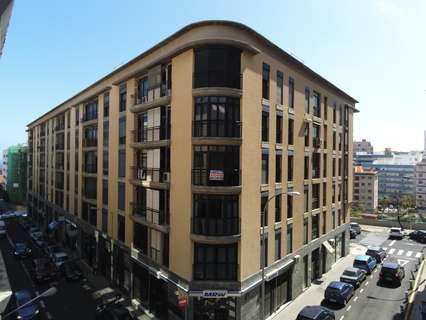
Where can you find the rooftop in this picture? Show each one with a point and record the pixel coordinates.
(362, 170)
(401, 159)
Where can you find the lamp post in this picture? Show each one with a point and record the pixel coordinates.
(263, 247)
(49, 292)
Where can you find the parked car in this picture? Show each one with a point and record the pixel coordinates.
(418, 235)
(43, 269)
(396, 233)
(114, 312)
(52, 249)
(37, 235)
(353, 276)
(377, 253)
(71, 270)
(366, 263)
(59, 258)
(28, 312)
(21, 250)
(392, 272)
(352, 233)
(315, 313)
(355, 226)
(338, 292)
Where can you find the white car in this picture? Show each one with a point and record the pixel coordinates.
(59, 258)
(396, 233)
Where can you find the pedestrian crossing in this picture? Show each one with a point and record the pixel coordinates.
(402, 252)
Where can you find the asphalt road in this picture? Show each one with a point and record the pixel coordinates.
(72, 301)
(379, 302)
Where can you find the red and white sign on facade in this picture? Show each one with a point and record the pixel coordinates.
(216, 175)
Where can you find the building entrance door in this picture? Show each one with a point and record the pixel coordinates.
(316, 263)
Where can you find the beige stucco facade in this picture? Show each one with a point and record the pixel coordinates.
(177, 236)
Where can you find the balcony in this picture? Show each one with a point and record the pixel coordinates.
(90, 168)
(216, 178)
(152, 134)
(87, 143)
(155, 216)
(216, 128)
(151, 98)
(59, 147)
(216, 227)
(157, 175)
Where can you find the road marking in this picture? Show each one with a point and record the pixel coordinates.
(375, 271)
(342, 317)
(10, 241)
(42, 304)
(418, 254)
(360, 291)
(48, 315)
(384, 248)
(403, 262)
(409, 253)
(371, 277)
(356, 298)
(348, 308)
(400, 252)
(366, 284)
(392, 250)
(391, 243)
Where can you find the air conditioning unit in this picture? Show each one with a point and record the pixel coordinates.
(140, 174)
(166, 176)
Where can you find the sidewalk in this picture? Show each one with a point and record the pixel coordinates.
(5, 290)
(420, 297)
(315, 293)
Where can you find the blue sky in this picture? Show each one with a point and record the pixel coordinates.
(373, 49)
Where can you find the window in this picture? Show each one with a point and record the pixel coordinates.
(316, 161)
(121, 228)
(277, 245)
(306, 134)
(89, 187)
(324, 222)
(121, 196)
(334, 194)
(290, 166)
(76, 183)
(324, 165)
(105, 162)
(278, 200)
(105, 192)
(90, 162)
(334, 167)
(265, 126)
(316, 104)
(90, 111)
(325, 107)
(289, 207)
(290, 92)
(217, 117)
(105, 220)
(307, 100)
(306, 167)
(122, 131)
(305, 231)
(215, 262)
(278, 166)
(122, 98)
(140, 237)
(263, 201)
(265, 166)
(215, 215)
(306, 199)
(334, 113)
(315, 196)
(217, 66)
(91, 136)
(106, 105)
(290, 131)
(340, 142)
(264, 252)
(106, 133)
(289, 238)
(143, 89)
(324, 194)
(77, 116)
(121, 163)
(315, 227)
(334, 140)
(316, 142)
(265, 81)
(325, 133)
(279, 128)
(340, 115)
(340, 167)
(280, 82)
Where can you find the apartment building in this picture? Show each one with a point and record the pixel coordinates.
(363, 146)
(158, 174)
(6, 7)
(421, 184)
(366, 188)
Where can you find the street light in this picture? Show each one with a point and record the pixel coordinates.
(263, 247)
(49, 292)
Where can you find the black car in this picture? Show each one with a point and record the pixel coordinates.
(21, 250)
(353, 276)
(315, 313)
(392, 272)
(111, 308)
(71, 270)
(377, 253)
(418, 235)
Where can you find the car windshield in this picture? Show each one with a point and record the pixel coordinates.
(395, 230)
(389, 270)
(349, 273)
(333, 291)
(20, 246)
(359, 263)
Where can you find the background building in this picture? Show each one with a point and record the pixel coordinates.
(421, 184)
(16, 178)
(366, 188)
(160, 171)
(363, 146)
(4, 167)
(5, 14)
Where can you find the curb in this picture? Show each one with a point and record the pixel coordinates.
(412, 295)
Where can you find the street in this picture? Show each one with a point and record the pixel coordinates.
(370, 301)
(73, 299)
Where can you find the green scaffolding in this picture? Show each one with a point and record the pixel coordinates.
(17, 173)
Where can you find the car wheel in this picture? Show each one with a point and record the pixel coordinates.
(357, 285)
(345, 302)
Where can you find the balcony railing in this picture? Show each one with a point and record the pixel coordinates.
(90, 142)
(150, 134)
(215, 177)
(151, 215)
(153, 94)
(216, 227)
(216, 128)
(59, 146)
(152, 174)
(90, 116)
